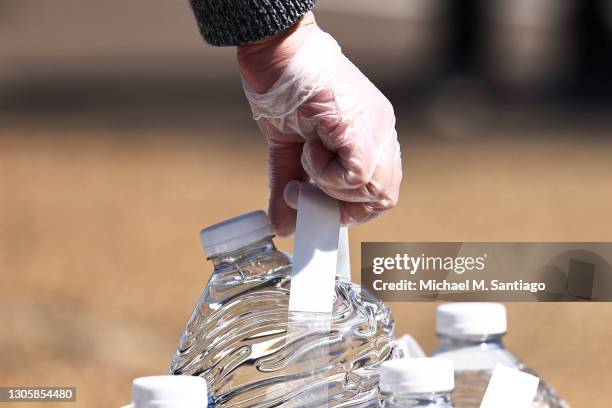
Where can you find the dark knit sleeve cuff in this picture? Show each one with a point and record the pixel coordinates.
(237, 22)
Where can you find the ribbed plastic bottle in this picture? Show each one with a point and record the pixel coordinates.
(417, 382)
(238, 337)
(471, 337)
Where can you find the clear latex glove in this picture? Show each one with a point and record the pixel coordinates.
(324, 120)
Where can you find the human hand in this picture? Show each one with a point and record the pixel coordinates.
(324, 121)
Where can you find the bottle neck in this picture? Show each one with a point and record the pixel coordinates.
(251, 260)
(240, 270)
(448, 341)
(405, 400)
(247, 251)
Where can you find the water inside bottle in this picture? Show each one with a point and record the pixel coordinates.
(474, 365)
(253, 352)
(470, 387)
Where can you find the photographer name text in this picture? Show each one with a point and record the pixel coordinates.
(468, 285)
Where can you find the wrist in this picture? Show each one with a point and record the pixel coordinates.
(262, 63)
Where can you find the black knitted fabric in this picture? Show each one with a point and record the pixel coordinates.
(237, 22)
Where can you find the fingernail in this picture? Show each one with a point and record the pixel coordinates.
(291, 193)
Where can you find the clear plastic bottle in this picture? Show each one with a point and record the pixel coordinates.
(417, 382)
(471, 337)
(238, 336)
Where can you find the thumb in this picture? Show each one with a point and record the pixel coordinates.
(284, 158)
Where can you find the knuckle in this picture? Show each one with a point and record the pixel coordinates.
(335, 131)
(392, 203)
(377, 193)
(384, 203)
(358, 176)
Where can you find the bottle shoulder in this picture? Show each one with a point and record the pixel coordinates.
(479, 357)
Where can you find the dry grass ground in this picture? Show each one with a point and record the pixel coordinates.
(101, 264)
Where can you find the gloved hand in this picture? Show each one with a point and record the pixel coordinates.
(324, 121)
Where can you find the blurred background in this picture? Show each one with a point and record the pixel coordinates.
(122, 134)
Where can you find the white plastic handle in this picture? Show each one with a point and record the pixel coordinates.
(510, 388)
(343, 266)
(321, 251)
(410, 347)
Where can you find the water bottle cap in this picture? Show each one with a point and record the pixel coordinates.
(417, 375)
(471, 319)
(236, 232)
(169, 391)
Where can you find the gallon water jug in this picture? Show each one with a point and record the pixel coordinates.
(249, 348)
(471, 336)
(417, 382)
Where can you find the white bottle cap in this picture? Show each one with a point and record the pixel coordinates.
(236, 232)
(471, 319)
(417, 375)
(169, 391)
